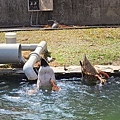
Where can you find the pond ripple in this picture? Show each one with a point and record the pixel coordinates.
(75, 101)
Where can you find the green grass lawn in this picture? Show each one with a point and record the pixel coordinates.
(101, 45)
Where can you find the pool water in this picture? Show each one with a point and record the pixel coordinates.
(75, 101)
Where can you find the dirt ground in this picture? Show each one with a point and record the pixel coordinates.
(61, 26)
(26, 56)
(54, 63)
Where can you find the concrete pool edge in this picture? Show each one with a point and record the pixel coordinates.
(110, 69)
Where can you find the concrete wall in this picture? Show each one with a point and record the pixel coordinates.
(74, 12)
(13, 12)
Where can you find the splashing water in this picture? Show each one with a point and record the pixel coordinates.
(75, 101)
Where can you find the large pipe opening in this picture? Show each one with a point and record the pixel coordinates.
(10, 53)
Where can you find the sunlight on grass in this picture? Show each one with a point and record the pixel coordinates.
(101, 45)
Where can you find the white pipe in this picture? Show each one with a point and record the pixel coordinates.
(28, 46)
(10, 53)
(33, 58)
(10, 37)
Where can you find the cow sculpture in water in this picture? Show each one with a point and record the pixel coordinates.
(90, 75)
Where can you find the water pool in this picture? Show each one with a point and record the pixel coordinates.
(75, 101)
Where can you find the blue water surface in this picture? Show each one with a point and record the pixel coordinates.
(75, 101)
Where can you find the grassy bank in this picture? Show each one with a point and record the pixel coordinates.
(101, 45)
